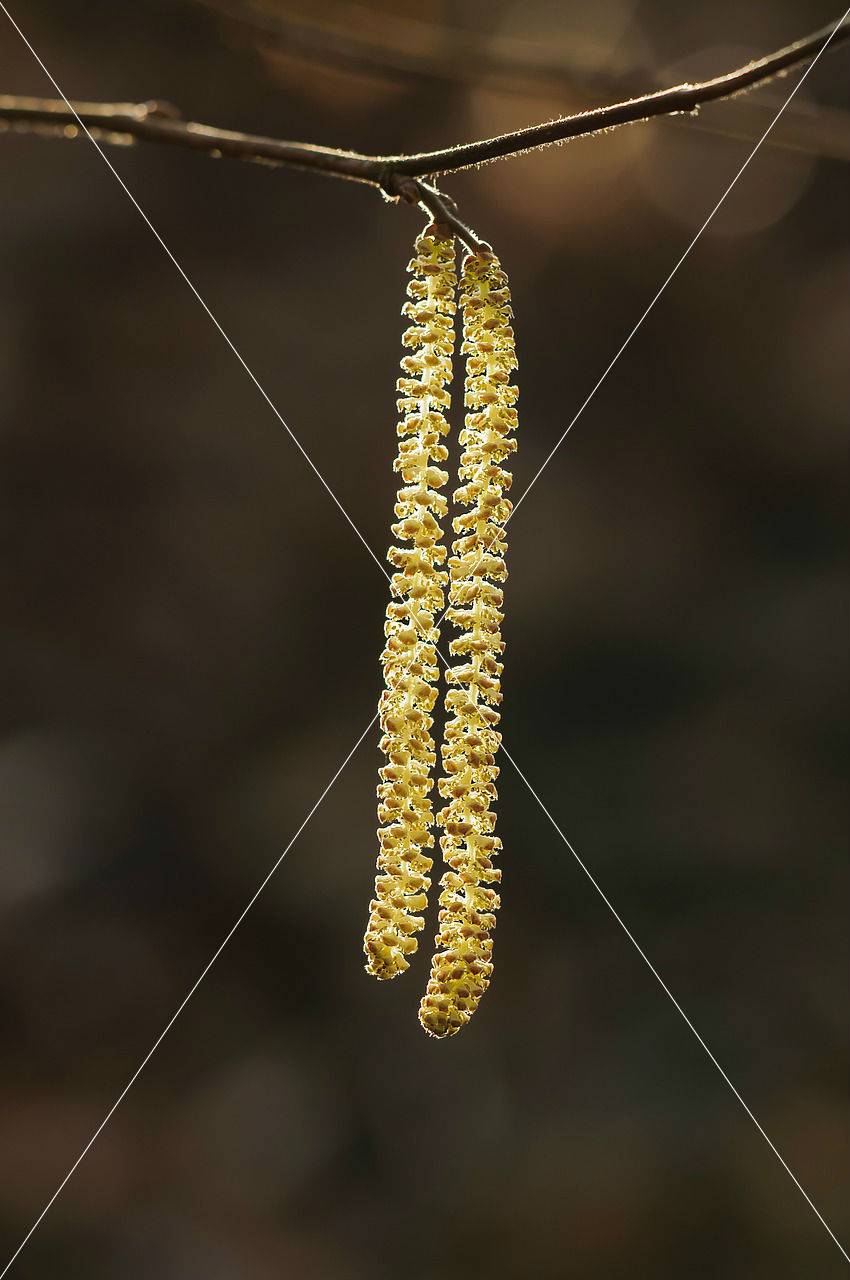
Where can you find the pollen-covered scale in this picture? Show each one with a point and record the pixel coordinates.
(461, 968)
(412, 624)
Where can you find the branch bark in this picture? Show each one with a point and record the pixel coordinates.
(407, 50)
(398, 177)
(681, 98)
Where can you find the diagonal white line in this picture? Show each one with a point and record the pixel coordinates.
(140, 1068)
(666, 990)
(386, 575)
(645, 958)
(368, 728)
(643, 317)
(192, 287)
(675, 270)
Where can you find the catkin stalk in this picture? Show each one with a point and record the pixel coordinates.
(461, 967)
(410, 657)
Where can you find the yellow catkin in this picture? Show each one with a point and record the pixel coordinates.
(410, 655)
(461, 968)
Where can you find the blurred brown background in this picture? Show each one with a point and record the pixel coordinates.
(191, 633)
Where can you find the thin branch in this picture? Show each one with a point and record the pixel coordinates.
(412, 51)
(161, 122)
(681, 98)
(441, 207)
(399, 177)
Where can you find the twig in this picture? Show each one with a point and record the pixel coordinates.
(399, 177)
(441, 207)
(161, 122)
(681, 98)
(411, 50)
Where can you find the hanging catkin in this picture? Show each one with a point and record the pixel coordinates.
(410, 657)
(461, 967)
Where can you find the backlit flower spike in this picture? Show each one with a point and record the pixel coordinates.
(410, 656)
(461, 967)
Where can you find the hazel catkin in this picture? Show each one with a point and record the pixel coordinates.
(462, 965)
(410, 657)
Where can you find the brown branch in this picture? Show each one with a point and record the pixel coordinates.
(681, 98)
(161, 122)
(410, 51)
(399, 177)
(441, 207)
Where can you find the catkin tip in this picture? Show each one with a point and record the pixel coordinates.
(437, 1026)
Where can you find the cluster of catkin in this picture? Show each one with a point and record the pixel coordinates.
(461, 966)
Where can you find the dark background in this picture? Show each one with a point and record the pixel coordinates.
(191, 637)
